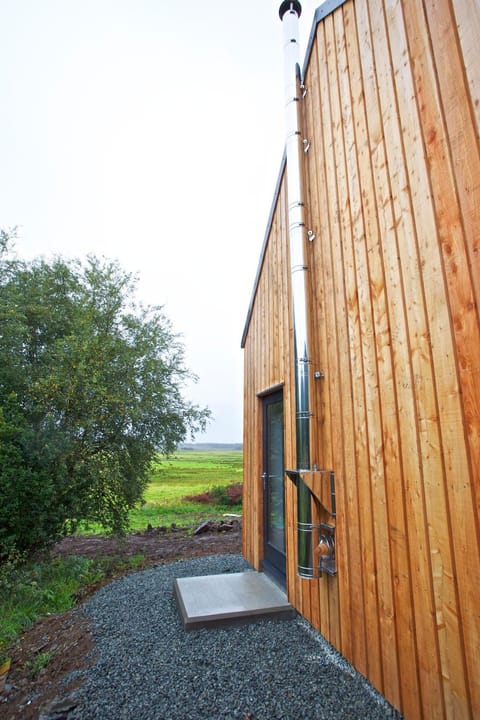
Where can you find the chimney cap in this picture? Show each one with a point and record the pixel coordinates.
(290, 5)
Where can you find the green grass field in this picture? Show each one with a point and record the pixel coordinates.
(187, 473)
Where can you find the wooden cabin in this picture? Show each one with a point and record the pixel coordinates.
(390, 118)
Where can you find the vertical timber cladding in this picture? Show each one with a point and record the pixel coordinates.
(267, 363)
(393, 195)
(392, 191)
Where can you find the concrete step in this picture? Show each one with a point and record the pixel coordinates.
(232, 598)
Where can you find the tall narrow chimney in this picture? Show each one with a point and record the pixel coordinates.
(289, 14)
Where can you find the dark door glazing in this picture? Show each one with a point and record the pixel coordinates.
(273, 486)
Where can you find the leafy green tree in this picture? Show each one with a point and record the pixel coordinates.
(90, 390)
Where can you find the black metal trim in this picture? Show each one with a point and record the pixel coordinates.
(271, 390)
(274, 560)
(274, 574)
(286, 6)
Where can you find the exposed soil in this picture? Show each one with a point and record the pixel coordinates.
(68, 636)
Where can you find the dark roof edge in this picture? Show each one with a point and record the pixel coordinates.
(321, 13)
(264, 246)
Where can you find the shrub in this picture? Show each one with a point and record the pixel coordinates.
(90, 390)
(220, 495)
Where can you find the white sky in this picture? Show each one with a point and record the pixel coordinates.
(151, 131)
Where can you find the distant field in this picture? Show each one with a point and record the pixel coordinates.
(188, 472)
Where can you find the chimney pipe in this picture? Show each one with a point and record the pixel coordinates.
(289, 14)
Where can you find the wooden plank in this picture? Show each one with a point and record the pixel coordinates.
(338, 381)
(464, 287)
(467, 21)
(282, 332)
(427, 387)
(387, 444)
(276, 318)
(246, 534)
(464, 144)
(257, 429)
(359, 498)
(338, 370)
(369, 433)
(265, 352)
(371, 569)
(339, 613)
(289, 413)
(253, 442)
(339, 384)
(248, 455)
(386, 143)
(441, 140)
(325, 589)
(283, 335)
(330, 584)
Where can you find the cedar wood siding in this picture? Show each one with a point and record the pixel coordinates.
(392, 192)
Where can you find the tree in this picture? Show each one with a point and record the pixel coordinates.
(90, 390)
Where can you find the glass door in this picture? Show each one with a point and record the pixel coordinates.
(273, 487)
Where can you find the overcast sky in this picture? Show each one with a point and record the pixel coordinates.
(151, 131)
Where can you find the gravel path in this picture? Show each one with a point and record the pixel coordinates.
(148, 668)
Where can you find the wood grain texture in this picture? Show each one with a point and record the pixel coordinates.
(392, 192)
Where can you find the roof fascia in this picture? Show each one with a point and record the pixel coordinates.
(264, 247)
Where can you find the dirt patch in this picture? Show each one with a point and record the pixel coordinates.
(67, 637)
(159, 544)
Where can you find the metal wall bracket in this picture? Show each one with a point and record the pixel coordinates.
(306, 145)
(310, 235)
(321, 483)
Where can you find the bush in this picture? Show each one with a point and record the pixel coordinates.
(90, 391)
(220, 495)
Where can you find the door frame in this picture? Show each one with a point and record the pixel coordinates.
(274, 560)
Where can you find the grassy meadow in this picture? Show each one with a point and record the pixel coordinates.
(187, 473)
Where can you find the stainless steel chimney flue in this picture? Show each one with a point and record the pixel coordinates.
(289, 14)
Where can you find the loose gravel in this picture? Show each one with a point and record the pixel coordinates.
(147, 667)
